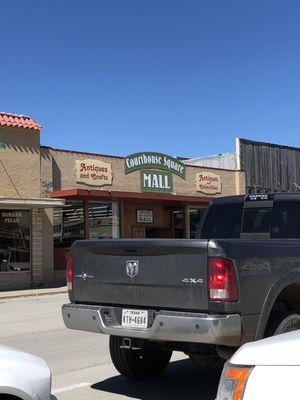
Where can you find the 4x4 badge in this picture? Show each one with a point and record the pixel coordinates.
(132, 268)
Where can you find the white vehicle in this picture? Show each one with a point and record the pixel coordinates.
(268, 369)
(23, 376)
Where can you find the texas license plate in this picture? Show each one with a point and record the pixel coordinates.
(135, 319)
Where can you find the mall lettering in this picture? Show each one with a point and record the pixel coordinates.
(156, 181)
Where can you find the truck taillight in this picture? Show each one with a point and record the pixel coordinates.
(69, 273)
(222, 279)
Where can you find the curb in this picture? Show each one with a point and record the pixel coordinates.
(32, 293)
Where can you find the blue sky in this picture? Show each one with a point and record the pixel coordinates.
(180, 77)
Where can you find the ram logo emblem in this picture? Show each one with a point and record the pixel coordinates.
(132, 268)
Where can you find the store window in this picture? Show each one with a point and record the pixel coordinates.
(68, 224)
(14, 240)
(103, 220)
(195, 215)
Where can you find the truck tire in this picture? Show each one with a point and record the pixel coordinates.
(138, 364)
(282, 322)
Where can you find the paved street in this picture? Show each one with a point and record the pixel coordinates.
(80, 361)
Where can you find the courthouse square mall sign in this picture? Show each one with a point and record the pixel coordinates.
(154, 160)
(156, 170)
(93, 172)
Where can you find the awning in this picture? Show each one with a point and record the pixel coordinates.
(118, 195)
(8, 202)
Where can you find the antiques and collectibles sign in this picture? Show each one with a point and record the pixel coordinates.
(208, 183)
(93, 172)
(156, 170)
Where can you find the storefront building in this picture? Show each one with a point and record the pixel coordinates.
(25, 216)
(90, 195)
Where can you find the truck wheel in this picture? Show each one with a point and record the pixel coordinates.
(282, 322)
(138, 364)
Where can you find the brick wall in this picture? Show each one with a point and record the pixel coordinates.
(15, 280)
(58, 169)
(37, 248)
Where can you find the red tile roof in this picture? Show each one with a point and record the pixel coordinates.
(18, 121)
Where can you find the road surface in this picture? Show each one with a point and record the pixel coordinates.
(80, 361)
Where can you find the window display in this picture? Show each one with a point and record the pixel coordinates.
(14, 240)
(68, 224)
(103, 220)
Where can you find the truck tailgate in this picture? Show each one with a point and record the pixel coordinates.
(160, 273)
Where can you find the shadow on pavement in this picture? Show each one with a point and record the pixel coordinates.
(182, 380)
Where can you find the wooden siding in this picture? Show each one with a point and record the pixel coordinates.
(270, 167)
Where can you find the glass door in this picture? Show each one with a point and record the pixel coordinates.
(195, 215)
(178, 224)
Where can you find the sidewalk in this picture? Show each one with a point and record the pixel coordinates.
(32, 292)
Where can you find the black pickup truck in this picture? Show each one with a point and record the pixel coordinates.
(237, 282)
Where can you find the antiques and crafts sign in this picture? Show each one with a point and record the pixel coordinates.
(93, 172)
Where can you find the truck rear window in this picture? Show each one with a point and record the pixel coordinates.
(223, 221)
(257, 220)
(286, 220)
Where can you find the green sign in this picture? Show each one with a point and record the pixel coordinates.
(156, 181)
(150, 160)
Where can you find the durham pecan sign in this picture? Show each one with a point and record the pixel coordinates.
(208, 183)
(93, 172)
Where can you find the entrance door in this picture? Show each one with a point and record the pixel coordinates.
(151, 233)
(178, 224)
(195, 215)
(138, 232)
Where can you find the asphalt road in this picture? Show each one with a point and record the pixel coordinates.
(80, 361)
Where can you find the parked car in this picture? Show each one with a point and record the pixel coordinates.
(239, 281)
(24, 376)
(266, 369)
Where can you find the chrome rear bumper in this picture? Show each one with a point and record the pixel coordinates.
(166, 325)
